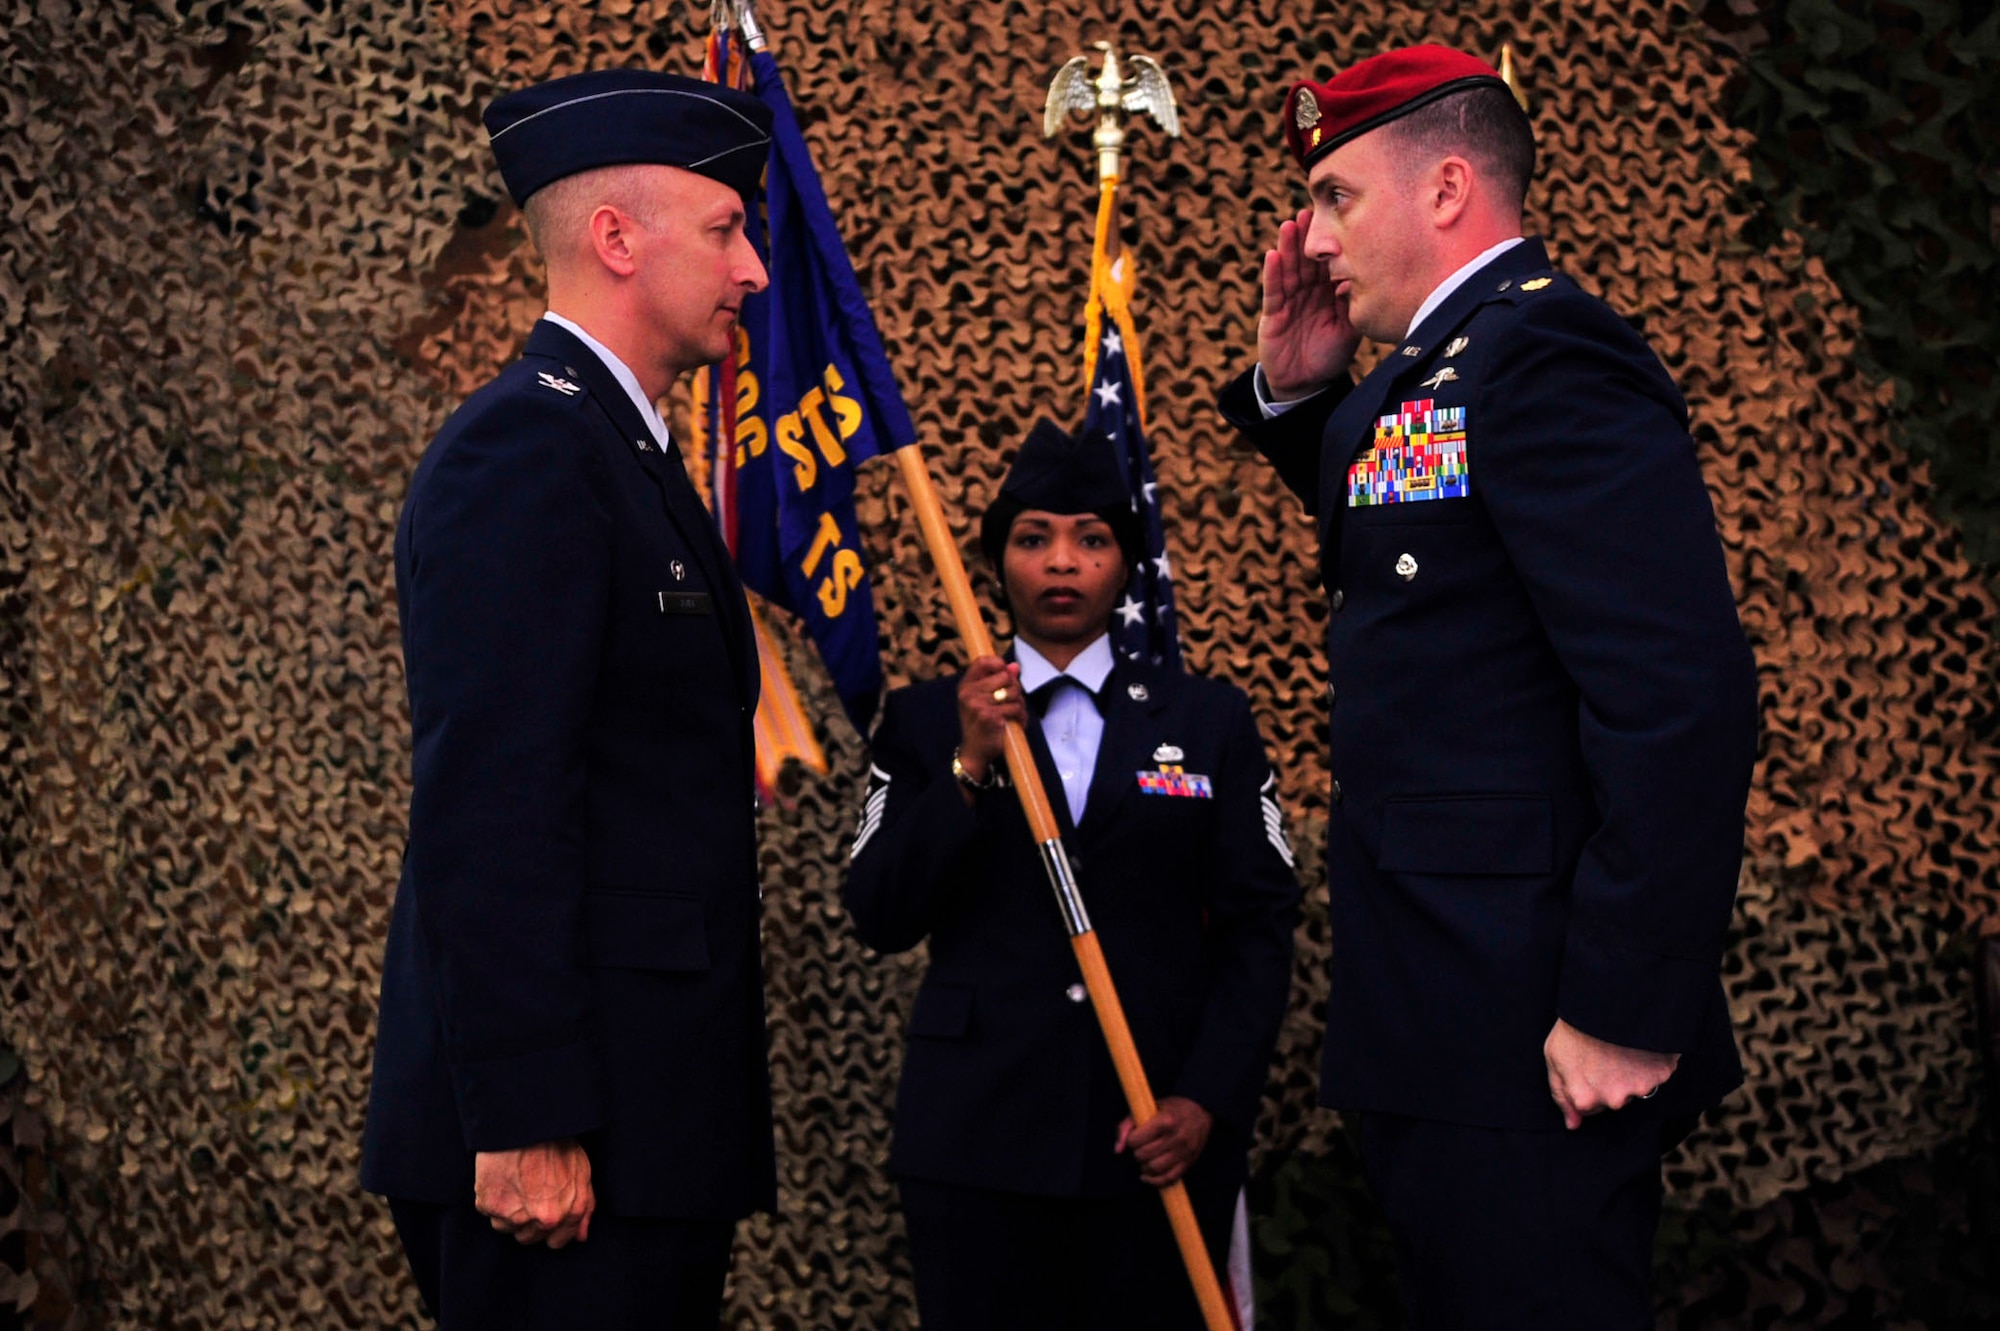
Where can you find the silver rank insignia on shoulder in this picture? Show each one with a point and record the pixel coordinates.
(1458, 344)
(1137, 692)
(1406, 567)
(563, 386)
(1537, 284)
(1167, 753)
(1444, 376)
(1413, 351)
(679, 570)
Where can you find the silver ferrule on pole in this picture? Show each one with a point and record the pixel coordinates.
(1055, 861)
(746, 22)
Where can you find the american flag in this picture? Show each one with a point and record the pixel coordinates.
(1142, 627)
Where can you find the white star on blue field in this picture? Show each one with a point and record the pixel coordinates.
(1144, 628)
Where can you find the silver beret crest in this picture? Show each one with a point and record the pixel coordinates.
(1305, 109)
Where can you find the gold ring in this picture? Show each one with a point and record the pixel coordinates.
(1000, 695)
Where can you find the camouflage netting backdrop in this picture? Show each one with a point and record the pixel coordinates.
(254, 254)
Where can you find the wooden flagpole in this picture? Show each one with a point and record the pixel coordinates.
(1027, 782)
(1151, 92)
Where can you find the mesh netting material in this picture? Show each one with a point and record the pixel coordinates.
(253, 257)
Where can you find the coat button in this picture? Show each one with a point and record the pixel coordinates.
(1336, 792)
(1339, 599)
(1332, 695)
(1077, 993)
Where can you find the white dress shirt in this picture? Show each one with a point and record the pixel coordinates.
(1439, 295)
(648, 410)
(1071, 723)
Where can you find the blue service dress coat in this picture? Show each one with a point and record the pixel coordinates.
(1006, 1081)
(574, 947)
(1543, 707)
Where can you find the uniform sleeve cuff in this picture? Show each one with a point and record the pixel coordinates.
(1632, 997)
(1225, 1104)
(1261, 387)
(524, 1099)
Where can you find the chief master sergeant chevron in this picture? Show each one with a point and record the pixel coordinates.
(571, 1100)
(1543, 707)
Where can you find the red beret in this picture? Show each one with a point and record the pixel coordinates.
(1319, 117)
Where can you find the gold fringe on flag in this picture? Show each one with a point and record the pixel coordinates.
(1112, 281)
(783, 731)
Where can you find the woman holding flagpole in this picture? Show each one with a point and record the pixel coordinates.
(1026, 1187)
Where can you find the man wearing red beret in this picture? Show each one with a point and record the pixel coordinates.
(1543, 709)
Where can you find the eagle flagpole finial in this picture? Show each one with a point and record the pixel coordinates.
(1113, 95)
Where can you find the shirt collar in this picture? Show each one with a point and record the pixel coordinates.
(622, 372)
(1457, 280)
(1092, 666)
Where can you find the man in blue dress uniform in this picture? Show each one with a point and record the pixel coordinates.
(1543, 707)
(1030, 1197)
(571, 1103)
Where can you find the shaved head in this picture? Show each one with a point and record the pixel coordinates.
(1485, 125)
(558, 214)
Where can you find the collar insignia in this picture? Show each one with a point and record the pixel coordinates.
(643, 445)
(563, 386)
(1413, 351)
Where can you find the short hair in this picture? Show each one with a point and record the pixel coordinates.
(557, 213)
(1483, 124)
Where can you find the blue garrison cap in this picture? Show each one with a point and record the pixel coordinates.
(617, 117)
(1058, 472)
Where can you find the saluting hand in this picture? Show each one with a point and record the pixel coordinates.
(1170, 1142)
(1588, 1075)
(988, 698)
(538, 1194)
(1304, 341)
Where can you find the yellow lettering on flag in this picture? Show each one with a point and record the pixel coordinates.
(782, 730)
(829, 439)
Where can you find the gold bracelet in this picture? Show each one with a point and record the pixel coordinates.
(994, 779)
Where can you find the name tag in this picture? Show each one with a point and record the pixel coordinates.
(686, 603)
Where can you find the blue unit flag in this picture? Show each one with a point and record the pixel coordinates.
(815, 397)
